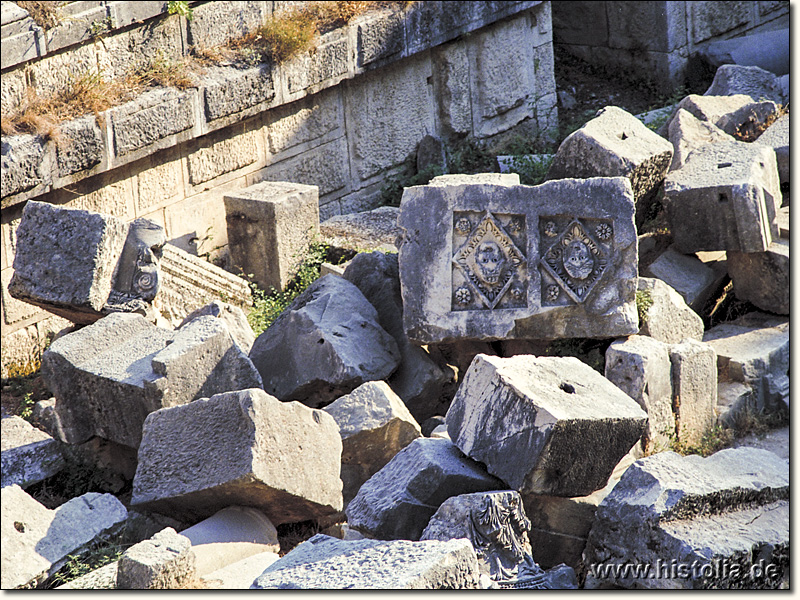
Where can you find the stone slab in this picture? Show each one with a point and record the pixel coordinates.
(484, 258)
(29, 455)
(233, 317)
(686, 274)
(366, 231)
(694, 389)
(668, 319)
(762, 278)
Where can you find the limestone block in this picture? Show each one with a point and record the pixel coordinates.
(687, 275)
(379, 35)
(222, 157)
(559, 259)
(654, 26)
(104, 578)
(668, 319)
(65, 259)
(270, 228)
(242, 448)
(15, 310)
(615, 144)
(751, 81)
(326, 167)
(451, 73)
(159, 183)
(430, 24)
(309, 119)
(762, 278)
(640, 366)
(124, 13)
(325, 344)
(374, 425)
(83, 147)
(777, 137)
(388, 106)
(75, 24)
(707, 108)
(418, 380)
(328, 64)
(233, 317)
(734, 399)
(25, 163)
(688, 133)
(163, 562)
(27, 43)
(108, 376)
(749, 121)
(709, 19)
(241, 574)
(232, 534)
(725, 197)
(153, 116)
(694, 389)
(228, 91)
(369, 230)
(538, 423)
(214, 24)
(162, 39)
(29, 455)
(731, 508)
(36, 540)
(325, 563)
(399, 500)
(590, 30)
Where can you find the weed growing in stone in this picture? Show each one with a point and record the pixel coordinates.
(45, 13)
(531, 171)
(644, 301)
(714, 439)
(180, 7)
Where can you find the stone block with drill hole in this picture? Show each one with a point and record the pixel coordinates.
(418, 380)
(640, 367)
(776, 137)
(37, 541)
(358, 232)
(29, 455)
(728, 511)
(686, 274)
(668, 319)
(725, 197)
(484, 258)
(694, 390)
(374, 425)
(399, 500)
(109, 375)
(548, 425)
(615, 144)
(165, 561)
(688, 133)
(755, 82)
(65, 260)
(325, 344)
(230, 535)
(242, 448)
(326, 563)
(762, 278)
(756, 355)
(233, 317)
(270, 227)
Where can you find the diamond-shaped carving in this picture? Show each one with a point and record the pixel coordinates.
(492, 263)
(575, 261)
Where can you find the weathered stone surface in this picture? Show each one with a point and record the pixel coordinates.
(370, 230)
(374, 425)
(687, 275)
(707, 108)
(82, 147)
(539, 424)
(640, 367)
(399, 500)
(108, 376)
(281, 458)
(694, 389)
(224, 155)
(749, 121)
(233, 317)
(104, 578)
(29, 455)
(496, 525)
(165, 561)
(25, 163)
(762, 278)
(37, 541)
(777, 137)
(329, 63)
(688, 133)
(559, 259)
(379, 35)
(752, 81)
(615, 144)
(668, 319)
(227, 91)
(756, 355)
(241, 574)
(232, 534)
(418, 380)
(65, 259)
(270, 227)
(215, 24)
(327, 343)
(734, 400)
(730, 508)
(323, 562)
(431, 155)
(725, 197)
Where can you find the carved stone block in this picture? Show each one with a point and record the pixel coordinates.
(483, 258)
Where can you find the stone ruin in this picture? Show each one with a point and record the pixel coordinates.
(536, 471)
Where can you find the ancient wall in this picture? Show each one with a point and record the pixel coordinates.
(655, 40)
(342, 117)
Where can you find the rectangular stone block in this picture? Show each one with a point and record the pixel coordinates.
(160, 40)
(226, 155)
(710, 18)
(83, 147)
(762, 278)
(304, 121)
(694, 388)
(228, 91)
(29, 455)
(25, 163)
(15, 311)
(591, 29)
(326, 166)
(452, 84)
(163, 562)
(270, 227)
(158, 182)
(484, 258)
(658, 26)
(326, 66)
(78, 23)
(124, 13)
(379, 35)
(725, 197)
(687, 275)
(215, 23)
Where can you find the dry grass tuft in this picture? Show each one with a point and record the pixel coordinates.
(45, 13)
(160, 71)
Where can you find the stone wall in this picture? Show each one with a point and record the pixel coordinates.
(655, 40)
(343, 117)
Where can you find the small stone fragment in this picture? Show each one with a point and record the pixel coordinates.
(163, 562)
(688, 133)
(753, 81)
(233, 317)
(365, 231)
(29, 455)
(668, 318)
(762, 278)
(686, 274)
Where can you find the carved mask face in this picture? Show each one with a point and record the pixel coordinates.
(491, 262)
(578, 260)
